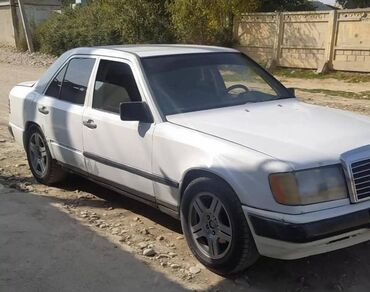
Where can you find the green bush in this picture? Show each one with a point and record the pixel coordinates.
(211, 21)
(104, 23)
(143, 21)
(207, 21)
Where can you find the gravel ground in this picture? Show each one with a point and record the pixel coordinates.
(9, 55)
(155, 238)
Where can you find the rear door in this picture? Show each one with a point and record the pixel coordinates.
(118, 152)
(62, 107)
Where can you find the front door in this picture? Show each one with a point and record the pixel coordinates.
(117, 152)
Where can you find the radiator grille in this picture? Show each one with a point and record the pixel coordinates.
(361, 178)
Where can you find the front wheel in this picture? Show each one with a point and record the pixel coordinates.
(215, 227)
(43, 167)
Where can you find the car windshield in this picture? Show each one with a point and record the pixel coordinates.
(193, 82)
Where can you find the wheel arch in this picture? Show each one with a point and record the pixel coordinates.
(27, 127)
(194, 173)
(245, 253)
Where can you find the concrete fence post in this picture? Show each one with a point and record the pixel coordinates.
(327, 62)
(26, 27)
(277, 41)
(14, 21)
(319, 40)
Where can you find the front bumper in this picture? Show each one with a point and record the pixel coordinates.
(307, 232)
(287, 240)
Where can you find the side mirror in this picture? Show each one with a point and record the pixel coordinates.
(135, 111)
(291, 91)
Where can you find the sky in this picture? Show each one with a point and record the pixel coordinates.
(330, 2)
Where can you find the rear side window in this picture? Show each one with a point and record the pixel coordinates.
(114, 84)
(55, 86)
(76, 80)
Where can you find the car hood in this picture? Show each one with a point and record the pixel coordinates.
(301, 134)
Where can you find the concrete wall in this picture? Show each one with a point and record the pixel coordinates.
(339, 39)
(351, 48)
(6, 25)
(256, 34)
(36, 11)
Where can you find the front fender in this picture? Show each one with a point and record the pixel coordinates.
(178, 150)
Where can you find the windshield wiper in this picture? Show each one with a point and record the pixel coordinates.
(284, 97)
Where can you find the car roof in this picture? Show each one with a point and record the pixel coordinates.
(136, 51)
(143, 51)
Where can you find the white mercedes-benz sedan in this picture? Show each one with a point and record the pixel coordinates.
(208, 136)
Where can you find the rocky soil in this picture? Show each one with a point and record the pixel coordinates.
(9, 55)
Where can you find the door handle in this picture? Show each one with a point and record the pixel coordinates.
(43, 110)
(90, 124)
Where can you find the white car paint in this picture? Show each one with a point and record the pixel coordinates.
(68, 115)
(284, 129)
(242, 144)
(122, 143)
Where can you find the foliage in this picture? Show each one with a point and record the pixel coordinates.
(104, 22)
(339, 93)
(67, 2)
(206, 21)
(142, 21)
(211, 21)
(354, 3)
(83, 26)
(350, 77)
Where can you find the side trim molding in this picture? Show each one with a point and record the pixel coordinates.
(128, 192)
(64, 146)
(153, 177)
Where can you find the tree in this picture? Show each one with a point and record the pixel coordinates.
(354, 3)
(207, 21)
(142, 21)
(211, 21)
(67, 3)
(105, 22)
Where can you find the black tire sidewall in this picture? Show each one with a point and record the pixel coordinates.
(45, 178)
(239, 225)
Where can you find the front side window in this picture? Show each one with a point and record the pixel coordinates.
(76, 80)
(193, 82)
(114, 84)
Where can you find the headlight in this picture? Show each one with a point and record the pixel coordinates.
(309, 186)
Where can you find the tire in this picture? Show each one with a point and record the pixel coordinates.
(43, 167)
(225, 244)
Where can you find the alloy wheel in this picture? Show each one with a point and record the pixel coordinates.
(38, 154)
(210, 225)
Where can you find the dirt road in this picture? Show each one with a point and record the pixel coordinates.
(44, 249)
(125, 228)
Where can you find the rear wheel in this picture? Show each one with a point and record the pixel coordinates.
(43, 167)
(215, 227)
